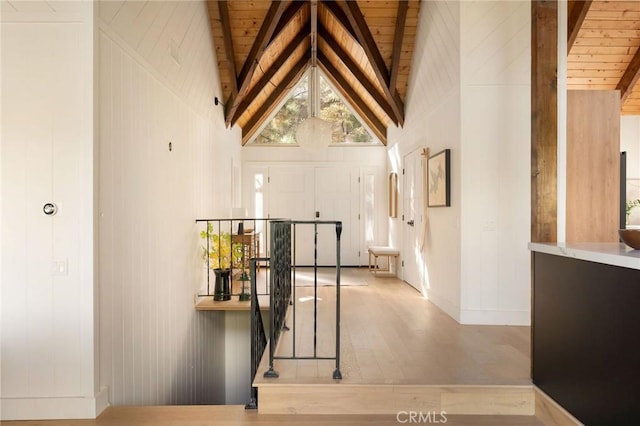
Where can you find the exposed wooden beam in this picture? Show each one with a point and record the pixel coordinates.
(301, 37)
(364, 111)
(401, 20)
(366, 40)
(274, 98)
(223, 9)
(630, 77)
(340, 16)
(354, 68)
(291, 11)
(576, 18)
(544, 124)
(255, 54)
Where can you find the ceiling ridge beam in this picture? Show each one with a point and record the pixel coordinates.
(366, 114)
(401, 20)
(292, 76)
(630, 77)
(576, 18)
(366, 40)
(269, 73)
(255, 54)
(223, 9)
(354, 68)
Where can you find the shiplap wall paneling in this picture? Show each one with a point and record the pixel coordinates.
(439, 41)
(469, 92)
(48, 348)
(495, 159)
(173, 38)
(157, 82)
(433, 120)
(152, 346)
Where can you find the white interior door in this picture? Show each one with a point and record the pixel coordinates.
(413, 219)
(318, 193)
(291, 196)
(338, 199)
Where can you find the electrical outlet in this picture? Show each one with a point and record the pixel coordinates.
(60, 268)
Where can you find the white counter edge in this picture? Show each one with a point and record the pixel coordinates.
(607, 253)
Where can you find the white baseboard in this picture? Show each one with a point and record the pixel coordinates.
(54, 408)
(448, 307)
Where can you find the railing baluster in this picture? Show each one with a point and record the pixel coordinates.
(337, 374)
(315, 289)
(258, 336)
(283, 287)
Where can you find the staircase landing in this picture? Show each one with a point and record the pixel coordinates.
(399, 353)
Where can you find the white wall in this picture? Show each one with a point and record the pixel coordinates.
(238, 357)
(48, 355)
(470, 92)
(158, 79)
(630, 142)
(433, 120)
(495, 166)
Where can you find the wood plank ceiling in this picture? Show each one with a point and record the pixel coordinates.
(603, 49)
(264, 47)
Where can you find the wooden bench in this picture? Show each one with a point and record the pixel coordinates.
(383, 251)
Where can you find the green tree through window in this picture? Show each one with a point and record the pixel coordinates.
(346, 128)
(282, 129)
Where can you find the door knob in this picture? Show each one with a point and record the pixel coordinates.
(50, 209)
(411, 222)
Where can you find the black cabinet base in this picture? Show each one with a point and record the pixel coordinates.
(586, 338)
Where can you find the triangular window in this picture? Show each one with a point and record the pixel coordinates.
(346, 127)
(281, 129)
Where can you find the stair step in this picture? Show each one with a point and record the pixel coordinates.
(390, 399)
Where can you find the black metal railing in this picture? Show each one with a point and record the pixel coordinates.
(279, 285)
(227, 247)
(258, 334)
(282, 268)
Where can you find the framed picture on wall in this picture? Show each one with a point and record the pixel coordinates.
(439, 179)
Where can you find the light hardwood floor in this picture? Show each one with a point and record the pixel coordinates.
(390, 334)
(236, 415)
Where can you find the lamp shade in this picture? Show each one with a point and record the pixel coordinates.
(313, 133)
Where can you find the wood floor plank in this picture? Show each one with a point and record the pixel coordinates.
(233, 415)
(391, 334)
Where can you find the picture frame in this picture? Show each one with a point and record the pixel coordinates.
(439, 179)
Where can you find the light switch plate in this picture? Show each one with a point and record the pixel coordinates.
(59, 268)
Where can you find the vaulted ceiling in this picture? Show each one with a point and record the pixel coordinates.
(264, 47)
(603, 48)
